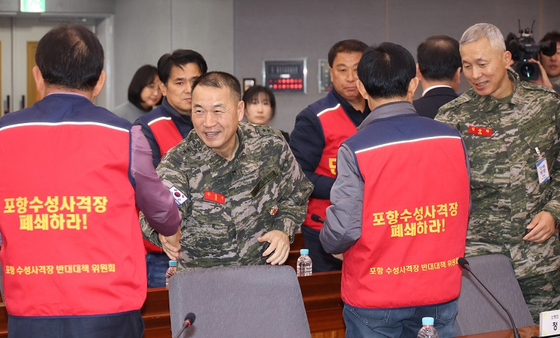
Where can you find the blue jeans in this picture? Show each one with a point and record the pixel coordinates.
(399, 322)
(156, 266)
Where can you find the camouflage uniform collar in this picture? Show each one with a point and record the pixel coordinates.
(198, 149)
(241, 139)
(518, 97)
(515, 98)
(246, 133)
(489, 102)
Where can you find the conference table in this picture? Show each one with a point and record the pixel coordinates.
(524, 332)
(321, 297)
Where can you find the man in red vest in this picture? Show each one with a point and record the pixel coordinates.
(318, 132)
(72, 180)
(399, 209)
(167, 125)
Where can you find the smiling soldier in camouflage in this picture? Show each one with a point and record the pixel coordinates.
(511, 130)
(239, 188)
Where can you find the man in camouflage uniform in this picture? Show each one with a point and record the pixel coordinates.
(238, 186)
(511, 130)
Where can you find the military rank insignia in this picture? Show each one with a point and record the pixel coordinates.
(214, 197)
(480, 131)
(273, 210)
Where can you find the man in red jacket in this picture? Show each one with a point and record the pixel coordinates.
(399, 209)
(72, 180)
(317, 134)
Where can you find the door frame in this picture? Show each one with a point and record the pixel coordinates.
(101, 24)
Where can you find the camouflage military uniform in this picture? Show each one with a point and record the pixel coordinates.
(231, 203)
(501, 137)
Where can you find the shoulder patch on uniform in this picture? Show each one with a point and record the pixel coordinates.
(265, 130)
(178, 195)
(253, 131)
(536, 124)
(264, 180)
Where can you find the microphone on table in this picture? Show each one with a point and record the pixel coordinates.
(189, 320)
(465, 265)
(317, 218)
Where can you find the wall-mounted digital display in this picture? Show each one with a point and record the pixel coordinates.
(286, 75)
(325, 84)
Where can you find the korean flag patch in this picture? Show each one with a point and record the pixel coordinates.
(179, 197)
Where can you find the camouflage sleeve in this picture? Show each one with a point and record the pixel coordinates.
(553, 204)
(148, 232)
(296, 188)
(169, 171)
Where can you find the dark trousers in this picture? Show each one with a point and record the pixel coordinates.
(122, 325)
(322, 261)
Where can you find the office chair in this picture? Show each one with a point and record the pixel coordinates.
(478, 312)
(246, 301)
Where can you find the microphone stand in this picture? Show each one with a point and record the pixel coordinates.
(465, 265)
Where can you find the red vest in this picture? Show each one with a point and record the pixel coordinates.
(72, 243)
(166, 133)
(167, 136)
(411, 238)
(337, 127)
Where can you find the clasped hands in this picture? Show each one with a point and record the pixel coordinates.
(171, 244)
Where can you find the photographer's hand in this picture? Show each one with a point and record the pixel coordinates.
(543, 80)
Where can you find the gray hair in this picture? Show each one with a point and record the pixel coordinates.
(484, 30)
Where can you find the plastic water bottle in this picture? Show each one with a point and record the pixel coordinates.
(304, 264)
(170, 272)
(428, 330)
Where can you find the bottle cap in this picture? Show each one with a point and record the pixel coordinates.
(172, 263)
(428, 321)
(304, 251)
